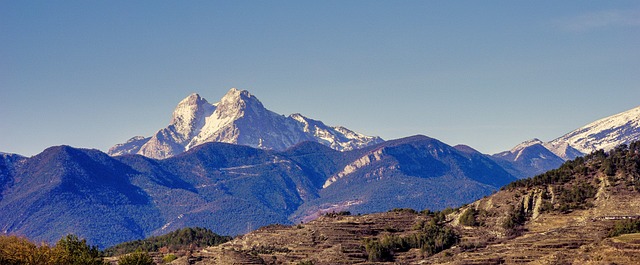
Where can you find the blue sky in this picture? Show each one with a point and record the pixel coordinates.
(489, 74)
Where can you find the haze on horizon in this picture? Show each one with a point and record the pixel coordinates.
(489, 75)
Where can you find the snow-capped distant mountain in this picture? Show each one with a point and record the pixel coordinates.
(605, 133)
(239, 118)
(534, 156)
(528, 159)
(131, 146)
(563, 150)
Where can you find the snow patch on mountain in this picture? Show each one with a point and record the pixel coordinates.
(563, 150)
(605, 133)
(131, 146)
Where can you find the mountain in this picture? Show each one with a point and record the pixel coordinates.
(528, 159)
(8, 163)
(534, 156)
(232, 189)
(605, 133)
(239, 118)
(85, 192)
(581, 213)
(414, 172)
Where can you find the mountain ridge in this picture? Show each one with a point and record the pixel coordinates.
(54, 192)
(605, 133)
(239, 118)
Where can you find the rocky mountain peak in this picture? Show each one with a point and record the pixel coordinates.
(525, 144)
(238, 118)
(189, 116)
(236, 102)
(534, 156)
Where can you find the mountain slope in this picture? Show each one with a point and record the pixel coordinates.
(605, 133)
(534, 157)
(528, 159)
(238, 118)
(415, 172)
(564, 216)
(112, 199)
(8, 164)
(65, 190)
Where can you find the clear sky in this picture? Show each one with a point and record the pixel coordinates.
(489, 74)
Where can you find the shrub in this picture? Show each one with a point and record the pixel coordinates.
(431, 238)
(136, 258)
(376, 251)
(403, 210)
(169, 258)
(336, 214)
(468, 218)
(625, 227)
(515, 219)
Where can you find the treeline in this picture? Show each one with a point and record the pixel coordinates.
(177, 240)
(67, 251)
(431, 237)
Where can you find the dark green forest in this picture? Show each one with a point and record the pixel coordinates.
(185, 238)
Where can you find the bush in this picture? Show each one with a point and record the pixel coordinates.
(336, 214)
(468, 218)
(403, 210)
(169, 258)
(431, 238)
(625, 227)
(515, 219)
(136, 258)
(376, 251)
